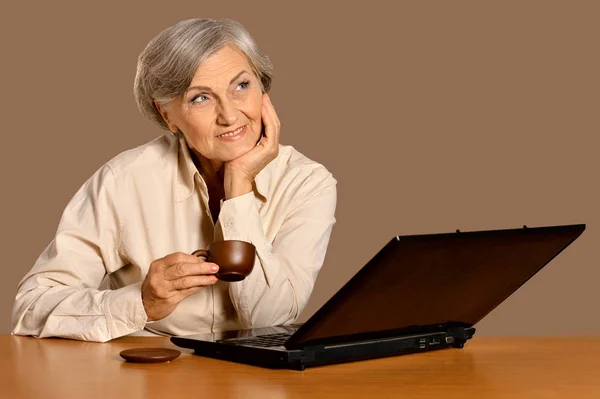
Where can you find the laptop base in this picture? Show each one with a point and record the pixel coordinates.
(320, 355)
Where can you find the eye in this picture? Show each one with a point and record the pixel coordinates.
(243, 85)
(200, 98)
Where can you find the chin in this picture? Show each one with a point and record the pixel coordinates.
(236, 152)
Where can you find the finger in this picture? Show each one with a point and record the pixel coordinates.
(158, 265)
(272, 112)
(180, 270)
(180, 257)
(188, 282)
(271, 138)
(272, 118)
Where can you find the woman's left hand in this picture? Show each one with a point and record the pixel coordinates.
(240, 172)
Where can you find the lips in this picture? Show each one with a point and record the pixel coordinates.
(232, 132)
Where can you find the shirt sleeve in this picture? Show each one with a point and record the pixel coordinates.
(285, 271)
(60, 296)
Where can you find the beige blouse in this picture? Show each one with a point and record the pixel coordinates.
(151, 201)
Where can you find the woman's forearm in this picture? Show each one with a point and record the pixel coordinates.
(44, 308)
(286, 269)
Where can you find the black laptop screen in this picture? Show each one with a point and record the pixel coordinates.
(426, 280)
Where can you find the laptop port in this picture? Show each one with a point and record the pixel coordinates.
(434, 341)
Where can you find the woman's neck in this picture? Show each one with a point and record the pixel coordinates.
(212, 171)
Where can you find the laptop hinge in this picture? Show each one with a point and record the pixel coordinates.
(460, 334)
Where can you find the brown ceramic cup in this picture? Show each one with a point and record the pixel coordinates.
(234, 258)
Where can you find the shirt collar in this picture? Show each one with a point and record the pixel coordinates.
(186, 171)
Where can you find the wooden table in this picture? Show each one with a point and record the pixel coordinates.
(485, 368)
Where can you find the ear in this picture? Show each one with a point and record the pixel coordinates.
(165, 115)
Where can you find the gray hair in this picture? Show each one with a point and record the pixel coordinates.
(169, 62)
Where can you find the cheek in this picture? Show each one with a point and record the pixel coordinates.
(200, 124)
(255, 108)
(197, 132)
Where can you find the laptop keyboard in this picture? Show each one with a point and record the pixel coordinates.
(263, 341)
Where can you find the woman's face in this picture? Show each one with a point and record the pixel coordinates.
(220, 113)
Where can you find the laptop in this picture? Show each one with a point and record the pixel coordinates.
(418, 293)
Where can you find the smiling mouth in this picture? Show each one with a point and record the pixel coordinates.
(233, 132)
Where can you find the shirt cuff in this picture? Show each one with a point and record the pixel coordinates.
(239, 218)
(125, 311)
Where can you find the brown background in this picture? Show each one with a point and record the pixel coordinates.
(432, 115)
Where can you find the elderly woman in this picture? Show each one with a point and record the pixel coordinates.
(220, 174)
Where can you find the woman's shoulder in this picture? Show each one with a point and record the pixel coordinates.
(154, 155)
(296, 173)
(147, 161)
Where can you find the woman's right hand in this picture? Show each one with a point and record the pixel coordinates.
(172, 279)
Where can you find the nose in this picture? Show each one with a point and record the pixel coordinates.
(226, 113)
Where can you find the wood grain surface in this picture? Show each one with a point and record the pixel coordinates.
(485, 368)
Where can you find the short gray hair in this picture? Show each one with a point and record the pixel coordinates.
(169, 62)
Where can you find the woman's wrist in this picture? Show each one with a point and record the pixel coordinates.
(234, 185)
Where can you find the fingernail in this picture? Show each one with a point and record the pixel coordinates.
(214, 268)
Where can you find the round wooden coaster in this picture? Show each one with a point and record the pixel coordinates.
(150, 355)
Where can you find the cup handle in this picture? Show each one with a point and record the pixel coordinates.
(201, 253)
